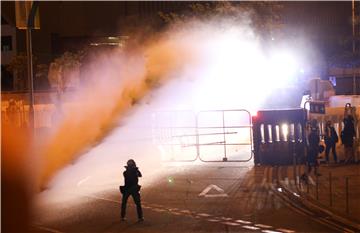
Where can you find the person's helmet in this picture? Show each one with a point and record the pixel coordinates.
(131, 163)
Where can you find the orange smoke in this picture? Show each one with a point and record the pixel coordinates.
(15, 182)
(119, 80)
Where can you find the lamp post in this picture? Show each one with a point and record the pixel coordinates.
(353, 45)
(30, 26)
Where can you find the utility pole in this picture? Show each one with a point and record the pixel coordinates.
(353, 45)
(30, 26)
(30, 77)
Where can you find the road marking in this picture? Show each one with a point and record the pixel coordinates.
(231, 223)
(47, 229)
(158, 210)
(176, 213)
(186, 211)
(210, 187)
(83, 180)
(250, 227)
(179, 212)
(270, 231)
(285, 230)
(262, 226)
(225, 218)
(204, 215)
(242, 221)
(214, 220)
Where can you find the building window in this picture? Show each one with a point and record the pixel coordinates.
(6, 43)
(3, 21)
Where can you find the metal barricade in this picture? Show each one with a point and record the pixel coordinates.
(224, 135)
(279, 137)
(210, 136)
(175, 133)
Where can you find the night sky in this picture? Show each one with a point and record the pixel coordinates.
(318, 20)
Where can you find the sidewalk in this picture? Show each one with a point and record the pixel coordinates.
(336, 191)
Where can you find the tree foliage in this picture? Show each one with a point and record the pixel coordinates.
(265, 17)
(18, 67)
(62, 69)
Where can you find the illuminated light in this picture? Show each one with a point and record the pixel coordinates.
(277, 133)
(112, 38)
(253, 113)
(302, 71)
(279, 189)
(285, 131)
(170, 180)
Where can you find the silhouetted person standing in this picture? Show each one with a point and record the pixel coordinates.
(312, 151)
(331, 138)
(347, 137)
(131, 188)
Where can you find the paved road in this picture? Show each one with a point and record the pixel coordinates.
(172, 203)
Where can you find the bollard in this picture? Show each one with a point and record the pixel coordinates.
(347, 194)
(330, 189)
(317, 188)
(294, 170)
(307, 187)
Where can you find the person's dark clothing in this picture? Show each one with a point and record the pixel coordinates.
(348, 133)
(331, 138)
(313, 149)
(131, 188)
(131, 175)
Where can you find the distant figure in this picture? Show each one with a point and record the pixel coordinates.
(131, 187)
(312, 150)
(347, 137)
(331, 138)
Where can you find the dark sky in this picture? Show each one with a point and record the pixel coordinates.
(71, 19)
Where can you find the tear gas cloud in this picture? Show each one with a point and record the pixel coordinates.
(197, 66)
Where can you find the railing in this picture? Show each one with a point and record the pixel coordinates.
(210, 136)
(17, 114)
(340, 193)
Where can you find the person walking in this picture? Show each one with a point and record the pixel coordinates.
(312, 151)
(131, 188)
(331, 138)
(347, 137)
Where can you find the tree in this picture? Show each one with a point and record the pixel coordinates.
(18, 67)
(265, 16)
(41, 77)
(64, 71)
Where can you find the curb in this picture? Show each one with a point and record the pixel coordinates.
(335, 219)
